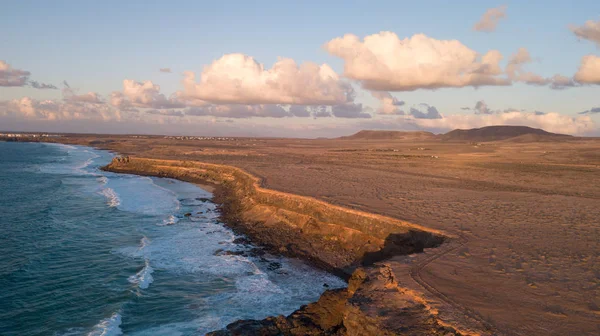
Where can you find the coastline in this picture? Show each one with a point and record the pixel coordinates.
(375, 302)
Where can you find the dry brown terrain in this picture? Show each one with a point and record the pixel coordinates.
(527, 213)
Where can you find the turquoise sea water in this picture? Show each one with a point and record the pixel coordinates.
(86, 252)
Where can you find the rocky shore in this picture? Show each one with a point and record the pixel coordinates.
(349, 243)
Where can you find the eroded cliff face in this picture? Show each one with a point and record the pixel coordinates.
(373, 304)
(331, 237)
(349, 243)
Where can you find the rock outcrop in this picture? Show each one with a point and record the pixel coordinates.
(346, 242)
(331, 237)
(373, 304)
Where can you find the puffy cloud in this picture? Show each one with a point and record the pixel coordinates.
(15, 77)
(167, 70)
(90, 97)
(383, 62)
(593, 110)
(239, 79)
(482, 108)
(32, 109)
(589, 31)
(589, 70)
(515, 70)
(425, 111)
(552, 122)
(143, 94)
(12, 77)
(389, 104)
(70, 94)
(490, 19)
(349, 110)
(239, 111)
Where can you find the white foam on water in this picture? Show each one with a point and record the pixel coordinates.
(169, 220)
(144, 242)
(78, 161)
(108, 327)
(140, 195)
(190, 248)
(113, 199)
(143, 278)
(103, 180)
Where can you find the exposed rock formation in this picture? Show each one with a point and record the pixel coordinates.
(334, 238)
(373, 304)
(344, 241)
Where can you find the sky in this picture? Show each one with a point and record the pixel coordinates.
(298, 69)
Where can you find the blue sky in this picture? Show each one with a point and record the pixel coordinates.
(94, 46)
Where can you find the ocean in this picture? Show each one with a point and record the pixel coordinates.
(87, 252)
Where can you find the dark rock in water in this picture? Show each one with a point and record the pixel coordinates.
(361, 309)
(203, 199)
(274, 266)
(200, 213)
(221, 252)
(262, 259)
(325, 285)
(257, 252)
(187, 214)
(241, 240)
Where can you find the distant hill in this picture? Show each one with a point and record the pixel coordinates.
(390, 135)
(510, 133)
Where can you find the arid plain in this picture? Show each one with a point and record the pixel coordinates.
(525, 211)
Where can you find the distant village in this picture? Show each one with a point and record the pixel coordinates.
(29, 135)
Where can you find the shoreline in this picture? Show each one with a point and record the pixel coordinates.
(372, 285)
(375, 302)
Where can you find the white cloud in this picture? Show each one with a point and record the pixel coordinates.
(144, 95)
(589, 31)
(589, 70)
(383, 62)
(239, 79)
(515, 70)
(12, 77)
(390, 105)
(490, 19)
(15, 77)
(32, 109)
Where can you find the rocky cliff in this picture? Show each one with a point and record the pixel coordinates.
(347, 242)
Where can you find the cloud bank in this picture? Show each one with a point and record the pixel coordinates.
(239, 79)
(384, 62)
